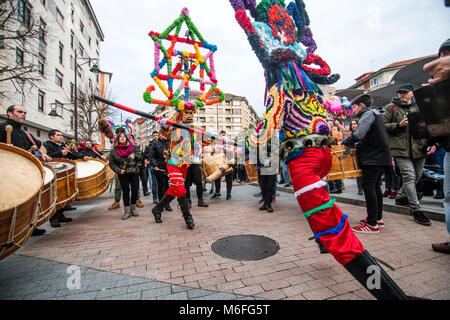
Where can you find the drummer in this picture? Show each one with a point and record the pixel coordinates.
(90, 152)
(22, 139)
(56, 148)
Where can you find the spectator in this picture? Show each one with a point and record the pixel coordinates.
(353, 128)
(158, 154)
(230, 152)
(91, 152)
(440, 71)
(409, 153)
(373, 154)
(151, 174)
(123, 160)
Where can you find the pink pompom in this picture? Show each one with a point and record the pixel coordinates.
(185, 12)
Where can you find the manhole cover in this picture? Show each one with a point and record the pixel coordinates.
(245, 247)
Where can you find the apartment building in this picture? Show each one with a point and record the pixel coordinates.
(69, 36)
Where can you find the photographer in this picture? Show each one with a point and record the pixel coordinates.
(123, 160)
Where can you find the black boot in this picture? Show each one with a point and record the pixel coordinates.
(369, 273)
(184, 206)
(159, 208)
(322, 249)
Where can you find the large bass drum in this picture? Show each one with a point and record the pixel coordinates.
(21, 182)
(48, 195)
(65, 181)
(215, 167)
(91, 179)
(343, 165)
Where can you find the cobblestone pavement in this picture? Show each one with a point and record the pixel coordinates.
(139, 259)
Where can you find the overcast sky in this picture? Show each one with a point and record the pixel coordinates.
(353, 36)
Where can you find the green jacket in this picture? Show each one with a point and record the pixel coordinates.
(400, 140)
(117, 163)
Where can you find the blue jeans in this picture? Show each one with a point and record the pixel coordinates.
(152, 182)
(447, 189)
(285, 173)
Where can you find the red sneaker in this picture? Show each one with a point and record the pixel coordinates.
(393, 195)
(366, 228)
(386, 193)
(380, 222)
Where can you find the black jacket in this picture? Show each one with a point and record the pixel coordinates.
(54, 150)
(117, 163)
(19, 137)
(89, 152)
(373, 142)
(156, 154)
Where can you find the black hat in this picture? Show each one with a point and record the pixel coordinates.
(120, 130)
(405, 88)
(444, 46)
(363, 98)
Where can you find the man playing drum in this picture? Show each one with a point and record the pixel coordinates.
(57, 149)
(22, 139)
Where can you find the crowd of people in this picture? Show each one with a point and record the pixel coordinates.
(386, 148)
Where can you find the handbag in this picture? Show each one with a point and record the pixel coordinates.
(131, 166)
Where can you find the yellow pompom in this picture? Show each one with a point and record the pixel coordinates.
(181, 106)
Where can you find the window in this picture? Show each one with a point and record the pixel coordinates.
(24, 12)
(71, 39)
(38, 133)
(59, 108)
(211, 119)
(59, 18)
(43, 2)
(42, 27)
(237, 111)
(81, 51)
(375, 81)
(41, 101)
(59, 78)
(237, 120)
(72, 92)
(90, 40)
(41, 65)
(2, 41)
(81, 27)
(19, 56)
(61, 53)
(72, 14)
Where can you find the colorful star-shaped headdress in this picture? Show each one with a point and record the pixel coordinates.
(184, 68)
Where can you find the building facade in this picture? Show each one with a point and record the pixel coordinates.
(378, 79)
(67, 29)
(233, 115)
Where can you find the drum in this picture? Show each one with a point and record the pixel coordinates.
(48, 196)
(110, 175)
(251, 172)
(91, 179)
(343, 166)
(21, 182)
(215, 167)
(65, 181)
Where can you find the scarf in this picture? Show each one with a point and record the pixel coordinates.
(399, 102)
(124, 150)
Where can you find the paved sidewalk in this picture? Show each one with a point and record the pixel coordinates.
(139, 259)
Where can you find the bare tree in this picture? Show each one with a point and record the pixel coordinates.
(20, 39)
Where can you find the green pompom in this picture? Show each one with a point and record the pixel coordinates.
(147, 97)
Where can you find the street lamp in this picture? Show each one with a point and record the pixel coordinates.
(94, 69)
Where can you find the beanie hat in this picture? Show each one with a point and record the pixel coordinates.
(444, 46)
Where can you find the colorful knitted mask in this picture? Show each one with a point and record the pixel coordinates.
(283, 43)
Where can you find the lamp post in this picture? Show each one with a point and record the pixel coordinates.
(94, 69)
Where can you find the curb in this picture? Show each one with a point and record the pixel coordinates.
(437, 216)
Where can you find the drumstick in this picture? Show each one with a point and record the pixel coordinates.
(8, 129)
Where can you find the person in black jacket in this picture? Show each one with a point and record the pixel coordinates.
(22, 139)
(373, 155)
(150, 173)
(57, 149)
(123, 160)
(90, 152)
(158, 161)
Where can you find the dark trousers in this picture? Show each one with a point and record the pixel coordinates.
(391, 179)
(267, 184)
(129, 182)
(144, 178)
(162, 180)
(371, 184)
(241, 172)
(229, 181)
(194, 176)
